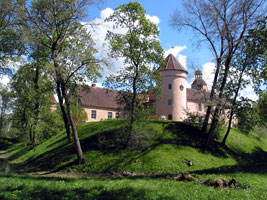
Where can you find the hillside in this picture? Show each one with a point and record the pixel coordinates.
(166, 151)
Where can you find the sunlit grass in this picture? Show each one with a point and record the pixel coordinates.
(167, 152)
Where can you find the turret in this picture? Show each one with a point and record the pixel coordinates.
(199, 83)
(173, 98)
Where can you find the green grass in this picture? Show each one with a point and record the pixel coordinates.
(35, 188)
(166, 148)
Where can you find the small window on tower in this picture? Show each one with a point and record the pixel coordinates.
(170, 86)
(169, 117)
(170, 102)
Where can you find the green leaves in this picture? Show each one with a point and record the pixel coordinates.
(138, 46)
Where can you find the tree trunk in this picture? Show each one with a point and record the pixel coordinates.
(132, 113)
(30, 134)
(218, 107)
(34, 137)
(212, 93)
(229, 126)
(64, 114)
(61, 87)
(1, 121)
(233, 105)
(78, 147)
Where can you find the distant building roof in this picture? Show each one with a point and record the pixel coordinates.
(196, 95)
(198, 72)
(199, 82)
(172, 64)
(99, 97)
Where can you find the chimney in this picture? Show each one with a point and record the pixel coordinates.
(93, 85)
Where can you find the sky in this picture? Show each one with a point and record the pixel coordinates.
(182, 44)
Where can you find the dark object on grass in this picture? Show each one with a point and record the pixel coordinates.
(221, 183)
(185, 176)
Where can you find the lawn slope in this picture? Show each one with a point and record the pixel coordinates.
(165, 151)
(169, 148)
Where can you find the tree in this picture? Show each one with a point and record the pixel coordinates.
(4, 98)
(222, 24)
(240, 66)
(31, 91)
(257, 42)
(248, 117)
(262, 106)
(139, 47)
(10, 43)
(55, 23)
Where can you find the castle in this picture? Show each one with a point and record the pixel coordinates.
(175, 100)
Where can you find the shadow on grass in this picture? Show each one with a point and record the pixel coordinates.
(109, 140)
(49, 160)
(41, 191)
(256, 168)
(21, 150)
(6, 142)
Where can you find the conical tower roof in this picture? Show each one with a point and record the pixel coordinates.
(172, 64)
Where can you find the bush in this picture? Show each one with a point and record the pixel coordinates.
(144, 135)
(194, 118)
(261, 130)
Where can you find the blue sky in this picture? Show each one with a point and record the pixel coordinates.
(168, 36)
(181, 44)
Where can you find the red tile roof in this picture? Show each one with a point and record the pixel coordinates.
(99, 97)
(196, 95)
(172, 64)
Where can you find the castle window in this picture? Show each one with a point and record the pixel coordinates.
(170, 86)
(170, 102)
(199, 107)
(169, 117)
(117, 115)
(109, 115)
(93, 114)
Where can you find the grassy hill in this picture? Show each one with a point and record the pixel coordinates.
(165, 149)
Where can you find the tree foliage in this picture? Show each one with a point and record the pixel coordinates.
(10, 36)
(31, 91)
(55, 24)
(248, 116)
(256, 43)
(140, 49)
(222, 24)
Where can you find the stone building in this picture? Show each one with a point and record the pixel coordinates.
(175, 100)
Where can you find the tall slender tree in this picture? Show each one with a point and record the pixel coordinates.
(139, 47)
(55, 22)
(222, 24)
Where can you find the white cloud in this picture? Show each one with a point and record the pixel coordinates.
(249, 88)
(252, 96)
(98, 29)
(153, 19)
(4, 79)
(175, 51)
(106, 13)
(208, 73)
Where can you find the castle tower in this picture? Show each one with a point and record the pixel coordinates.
(173, 98)
(199, 83)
